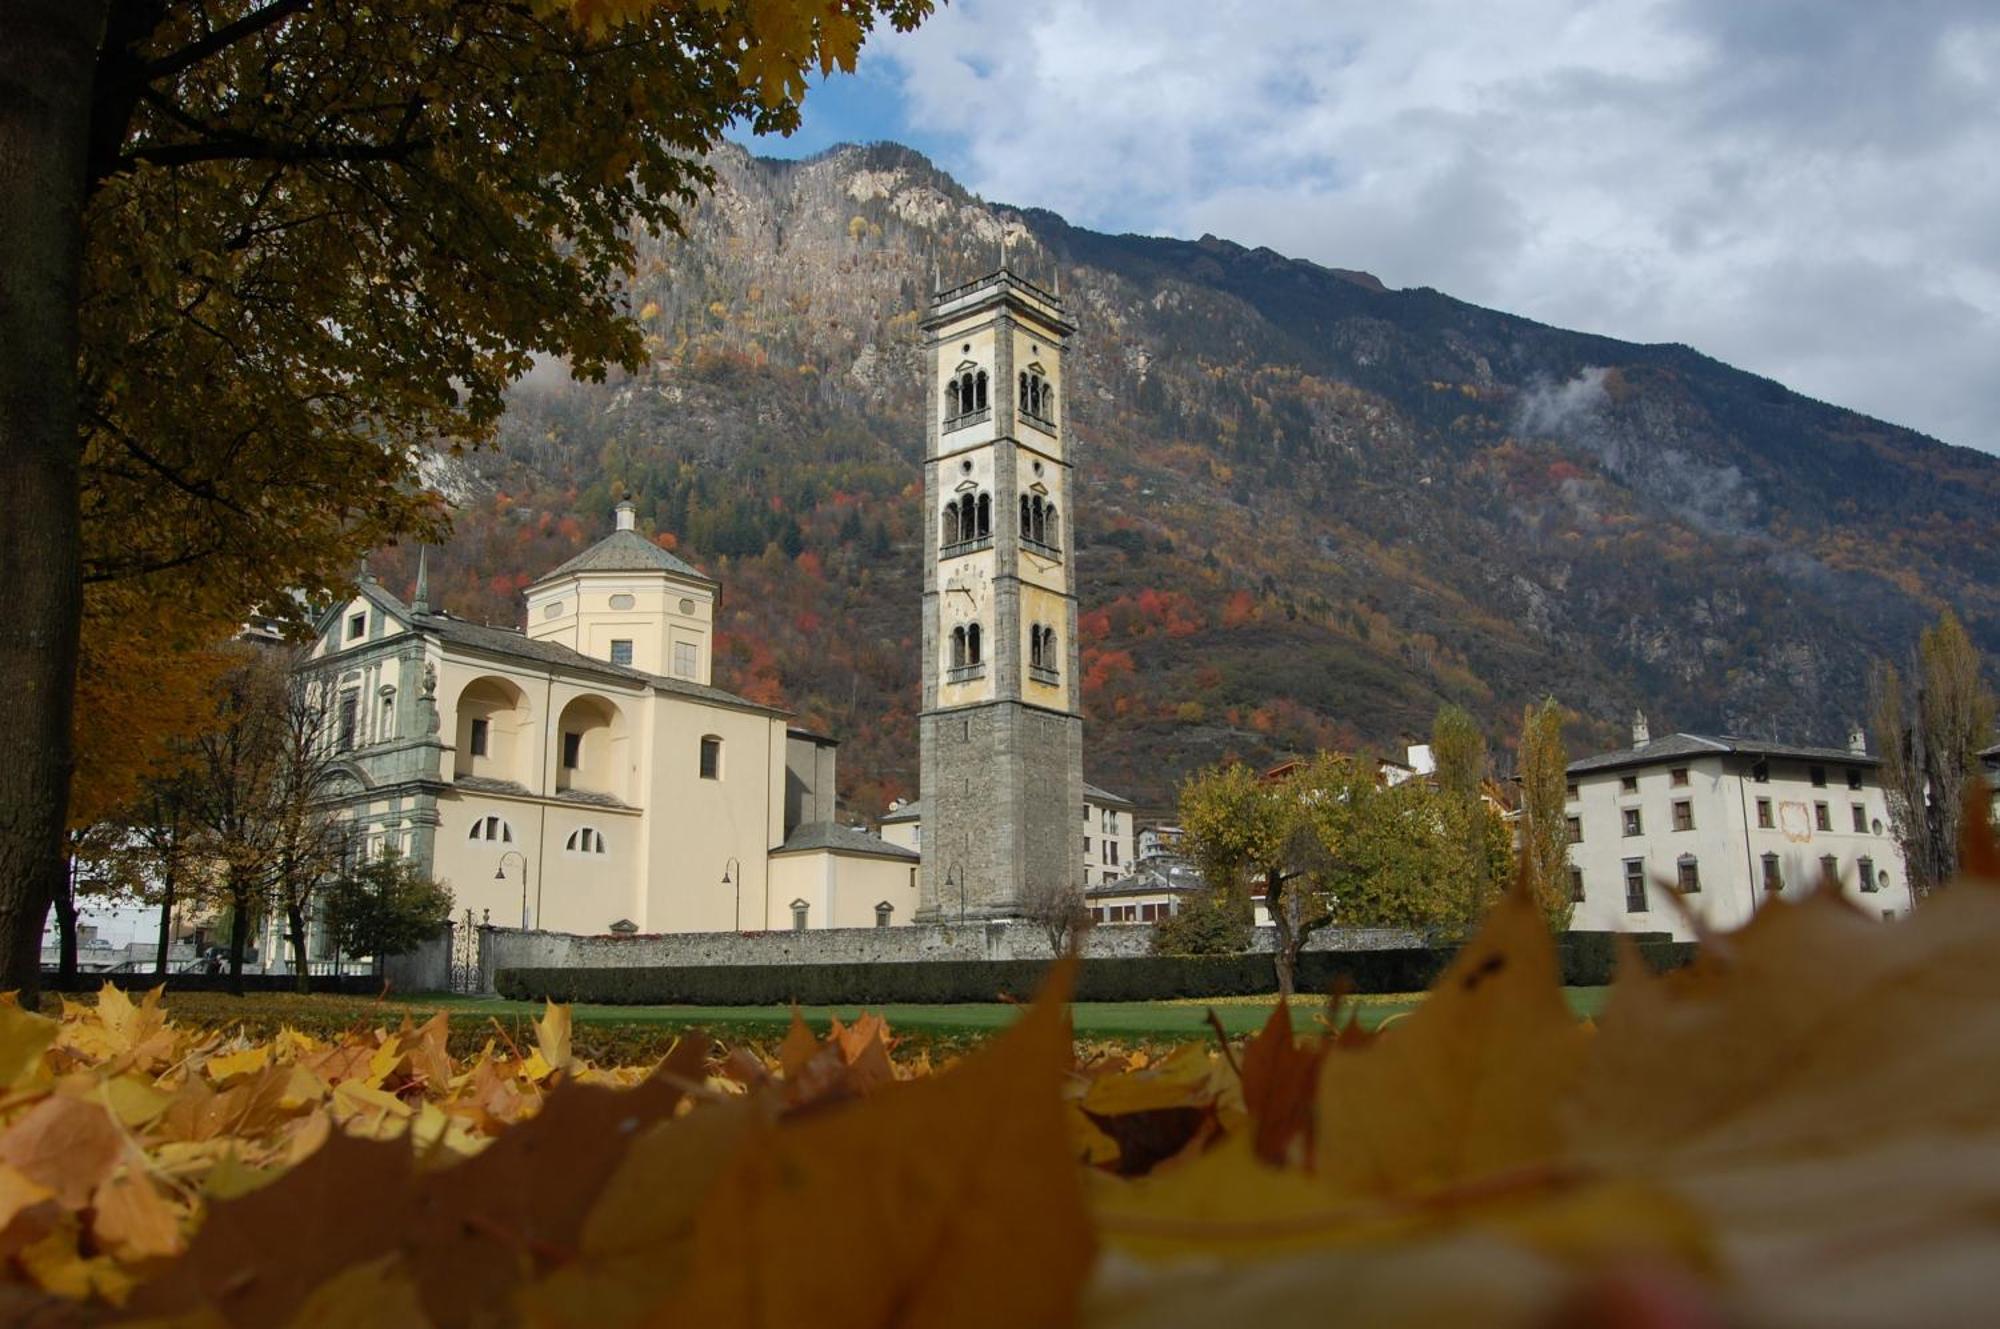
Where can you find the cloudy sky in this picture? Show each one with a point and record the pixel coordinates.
(1809, 189)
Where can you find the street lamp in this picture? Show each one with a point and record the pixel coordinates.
(500, 874)
(732, 875)
(953, 877)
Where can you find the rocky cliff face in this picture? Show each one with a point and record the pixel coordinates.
(1312, 508)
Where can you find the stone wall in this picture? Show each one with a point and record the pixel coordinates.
(509, 948)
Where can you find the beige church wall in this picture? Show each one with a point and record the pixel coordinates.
(1027, 340)
(380, 628)
(515, 732)
(644, 609)
(590, 890)
(840, 890)
(695, 826)
(467, 865)
(1045, 607)
(611, 723)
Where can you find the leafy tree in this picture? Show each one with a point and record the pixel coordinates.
(1929, 733)
(263, 253)
(1459, 748)
(1544, 822)
(384, 905)
(1208, 922)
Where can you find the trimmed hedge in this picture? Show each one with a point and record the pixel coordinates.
(1587, 958)
(353, 985)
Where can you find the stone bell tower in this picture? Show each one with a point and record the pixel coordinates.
(1001, 732)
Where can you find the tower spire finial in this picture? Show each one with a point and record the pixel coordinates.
(420, 601)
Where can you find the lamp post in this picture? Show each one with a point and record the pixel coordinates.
(500, 874)
(954, 877)
(732, 875)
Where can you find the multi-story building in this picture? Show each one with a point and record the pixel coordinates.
(1727, 823)
(584, 772)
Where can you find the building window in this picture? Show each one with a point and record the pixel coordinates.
(585, 840)
(883, 911)
(1690, 874)
(357, 626)
(1822, 816)
(480, 728)
(1635, 885)
(1860, 819)
(1761, 772)
(1576, 885)
(1572, 793)
(711, 757)
(1866, 871)
(1575, 830)
(1086, 846)
(492, 830)
(1774, 876)
(1634, 825)
(348, 721)
(1678, 777)
(799, 911)
(1829, 869)
(687, 659)
(621, 651)
(1628, 784)
(1111, 853)
(1853, 777)
(572, 753)
(1818, 776)
(1684, 815)
(972, 643)
(1764, 814)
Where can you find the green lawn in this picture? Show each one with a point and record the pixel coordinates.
(624, 1033)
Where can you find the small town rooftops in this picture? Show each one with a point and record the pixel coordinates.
(1104, 797)
(1681, 747)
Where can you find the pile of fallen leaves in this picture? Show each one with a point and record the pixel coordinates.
(1802, 1128)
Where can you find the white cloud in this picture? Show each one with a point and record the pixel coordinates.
(1805, 188)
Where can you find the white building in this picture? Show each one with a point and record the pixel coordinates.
(1108, 837)
(1729, 823)
(583, 772)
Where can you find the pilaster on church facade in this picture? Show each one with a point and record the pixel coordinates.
(1001, 727)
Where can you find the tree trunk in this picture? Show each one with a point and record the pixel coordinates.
(301, 968)
(166, 919)
(46, 60)
(65, 903)
(1285, 948)
(239, 928)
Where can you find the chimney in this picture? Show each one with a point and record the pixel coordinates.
(1857, 741)
(624, 510)
(1641, 735)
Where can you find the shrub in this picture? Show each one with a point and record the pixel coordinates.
(1207, 923)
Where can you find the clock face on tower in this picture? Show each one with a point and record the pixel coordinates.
(967, 591)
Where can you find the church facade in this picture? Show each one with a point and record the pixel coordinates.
(582, 774)
(1001, 728)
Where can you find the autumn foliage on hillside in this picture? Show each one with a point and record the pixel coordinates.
(1798, 1129)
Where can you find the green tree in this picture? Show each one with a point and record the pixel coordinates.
(1458, 746)
(383, 906)
(262, 254)
(1544, 821)
(1929, 733)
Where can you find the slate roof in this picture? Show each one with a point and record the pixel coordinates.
(1176, 875)
(910, 811)
(830, 836)
(626, 551)
(506, 641)
(1675, 746)
(1104, 796)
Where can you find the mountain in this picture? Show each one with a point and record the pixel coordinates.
(1311, 508)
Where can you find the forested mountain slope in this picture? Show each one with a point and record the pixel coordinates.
(1311, 508)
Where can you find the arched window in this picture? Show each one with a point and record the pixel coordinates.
(1041, 531)
(985, 515)
(1049, 402)
(958, 648)
(951, 523)
(972, 644)
(1024, 389)
(1052, 527)
(1035, 646)
(951, 410)
(967, 515)
(1026, 523)
(965, 406)
(979, 392)
(585, 840)
(1049, 657)
(491, 830)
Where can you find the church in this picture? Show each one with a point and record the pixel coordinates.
(582, 774)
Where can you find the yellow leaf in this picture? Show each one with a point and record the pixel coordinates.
(18, 1193)
(133, 1221)
(1471, 1083)
(24, 1037)
(552, 1037)
(232, 1065)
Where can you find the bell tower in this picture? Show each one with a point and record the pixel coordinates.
(1001, 733)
